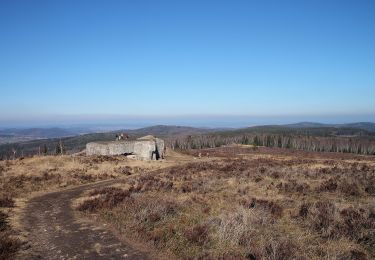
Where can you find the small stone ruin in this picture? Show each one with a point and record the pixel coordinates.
(144, 148)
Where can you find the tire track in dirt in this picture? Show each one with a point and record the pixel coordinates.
(55, 233)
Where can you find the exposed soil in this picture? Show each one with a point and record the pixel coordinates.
(55, 233)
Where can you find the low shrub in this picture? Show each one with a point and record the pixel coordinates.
(151, 212)
(90, 205)
(150, 183)
(370, 189)
(350, 188)
(3, 221)
(6, 202)
(293, 186)
(197, 234)
(320, 216)
(351, 223)
(353, 255)
(107, 201)
(125, 170)
(358, 225)
(304, 210)
(279, 249)
(269, 206)
(106, 190)
(329, 185)
(8, 245)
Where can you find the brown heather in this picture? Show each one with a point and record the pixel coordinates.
(244, 204)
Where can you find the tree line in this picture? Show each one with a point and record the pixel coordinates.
(356, 144)
(17, 151)
(314, 139)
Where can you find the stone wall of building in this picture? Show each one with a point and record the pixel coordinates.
(109, 148)
(144, 148)
(159, 148)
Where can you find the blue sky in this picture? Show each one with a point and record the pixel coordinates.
(161, 59)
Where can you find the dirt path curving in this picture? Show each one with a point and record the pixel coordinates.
(55, 233)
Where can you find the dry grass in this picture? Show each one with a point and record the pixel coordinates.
(247, 204)
(20, 179)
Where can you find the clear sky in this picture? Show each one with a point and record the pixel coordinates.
(87, 59)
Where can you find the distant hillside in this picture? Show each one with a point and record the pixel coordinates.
(361, 125)
(78, 142)
(326, 131)
(306, 124)
(15, 135)
(166, 130)
(38, 132)
(367, 126)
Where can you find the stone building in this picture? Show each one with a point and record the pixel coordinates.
(144, 148)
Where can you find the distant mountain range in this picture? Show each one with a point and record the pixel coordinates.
(14, 135)
(28, 140)
(312, 129)
(368, 126)
(166, 130)
(38, 132)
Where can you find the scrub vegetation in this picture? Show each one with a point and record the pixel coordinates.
(250, 203)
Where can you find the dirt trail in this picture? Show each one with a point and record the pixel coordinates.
(56, 234)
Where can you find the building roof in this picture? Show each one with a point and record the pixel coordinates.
(147, 137)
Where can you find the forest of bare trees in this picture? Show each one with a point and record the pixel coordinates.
(356, 144)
